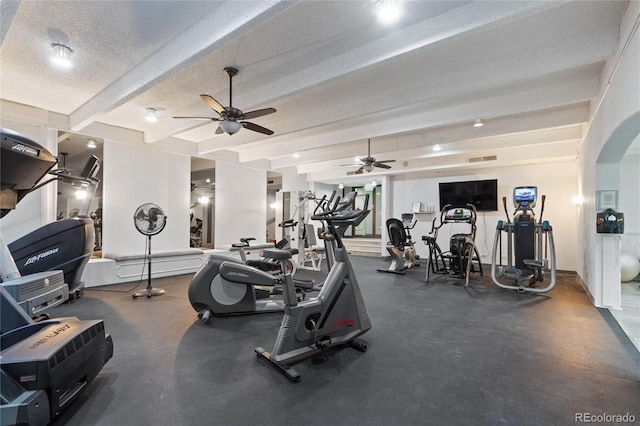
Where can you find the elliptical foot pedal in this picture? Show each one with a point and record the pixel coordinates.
(392, 272)
(291, 374)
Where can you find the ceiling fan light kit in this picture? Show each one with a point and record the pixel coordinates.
(231, 119)
(230, 127)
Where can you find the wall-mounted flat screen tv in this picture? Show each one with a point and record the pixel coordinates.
(481, 193)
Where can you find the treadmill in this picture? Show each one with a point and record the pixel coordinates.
(44, 365)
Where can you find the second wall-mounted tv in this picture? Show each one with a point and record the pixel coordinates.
(481, 193)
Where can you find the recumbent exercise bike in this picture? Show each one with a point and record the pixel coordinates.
(401, 246)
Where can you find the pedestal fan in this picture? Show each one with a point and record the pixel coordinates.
(149, 219)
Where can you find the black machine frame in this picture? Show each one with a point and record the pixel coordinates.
(526, 238)
(459, 260)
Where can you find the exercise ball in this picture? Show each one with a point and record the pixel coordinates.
(629, 266)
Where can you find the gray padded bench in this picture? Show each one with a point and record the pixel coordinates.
(131, 264)
(155, 254)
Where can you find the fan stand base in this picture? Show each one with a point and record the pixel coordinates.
(148, 293)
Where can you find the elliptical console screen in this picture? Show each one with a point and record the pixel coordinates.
(525, 196)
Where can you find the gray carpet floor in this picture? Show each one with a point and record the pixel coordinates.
(438, 354)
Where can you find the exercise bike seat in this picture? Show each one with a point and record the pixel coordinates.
(278, 254)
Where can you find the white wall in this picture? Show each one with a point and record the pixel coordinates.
(556, 181)
(614, 109)
(240, 204)
(134, 175)
(629, 201)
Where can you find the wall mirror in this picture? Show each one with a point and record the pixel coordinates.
(74, 153)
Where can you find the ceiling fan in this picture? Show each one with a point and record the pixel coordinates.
(231, 119)
(368, 162)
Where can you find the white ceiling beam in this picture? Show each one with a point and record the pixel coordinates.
(562, 151)
(231, 20)
(462, 21)
(539, 138)
(415, 118)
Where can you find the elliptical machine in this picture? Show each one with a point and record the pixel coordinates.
(459, 260)
(525, 240)
(400, 245)
(336, 316)
(224, 285)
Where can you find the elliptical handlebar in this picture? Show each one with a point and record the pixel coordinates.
(542, 209)
(506, 212)
(333, 215)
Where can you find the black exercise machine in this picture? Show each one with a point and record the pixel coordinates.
(401, 246)
(462, 259)
(45, 365)
(525, 241)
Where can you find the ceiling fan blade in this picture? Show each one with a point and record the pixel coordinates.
(213, 104)
(382, 166)
(386, 161)
(351, 165)
(360, 170)
(256, 128)
(201, 118)
(258, 113)
(219, 131)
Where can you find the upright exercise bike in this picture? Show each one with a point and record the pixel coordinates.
(525, 241)
(336, 316)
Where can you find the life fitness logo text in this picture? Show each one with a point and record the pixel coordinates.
(347, 322)
(50, 335)
(22, 148)
(37, 257)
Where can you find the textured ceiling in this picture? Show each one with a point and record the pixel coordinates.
(335, 75)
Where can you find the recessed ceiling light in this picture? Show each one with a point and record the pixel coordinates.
(208, 180)
(479, 122)
(296, 155)
(61, 55)
(437, 147)
(151, 115)
(388, 11)
(91, 143)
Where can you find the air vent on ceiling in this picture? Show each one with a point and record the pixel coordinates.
(481, 159)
